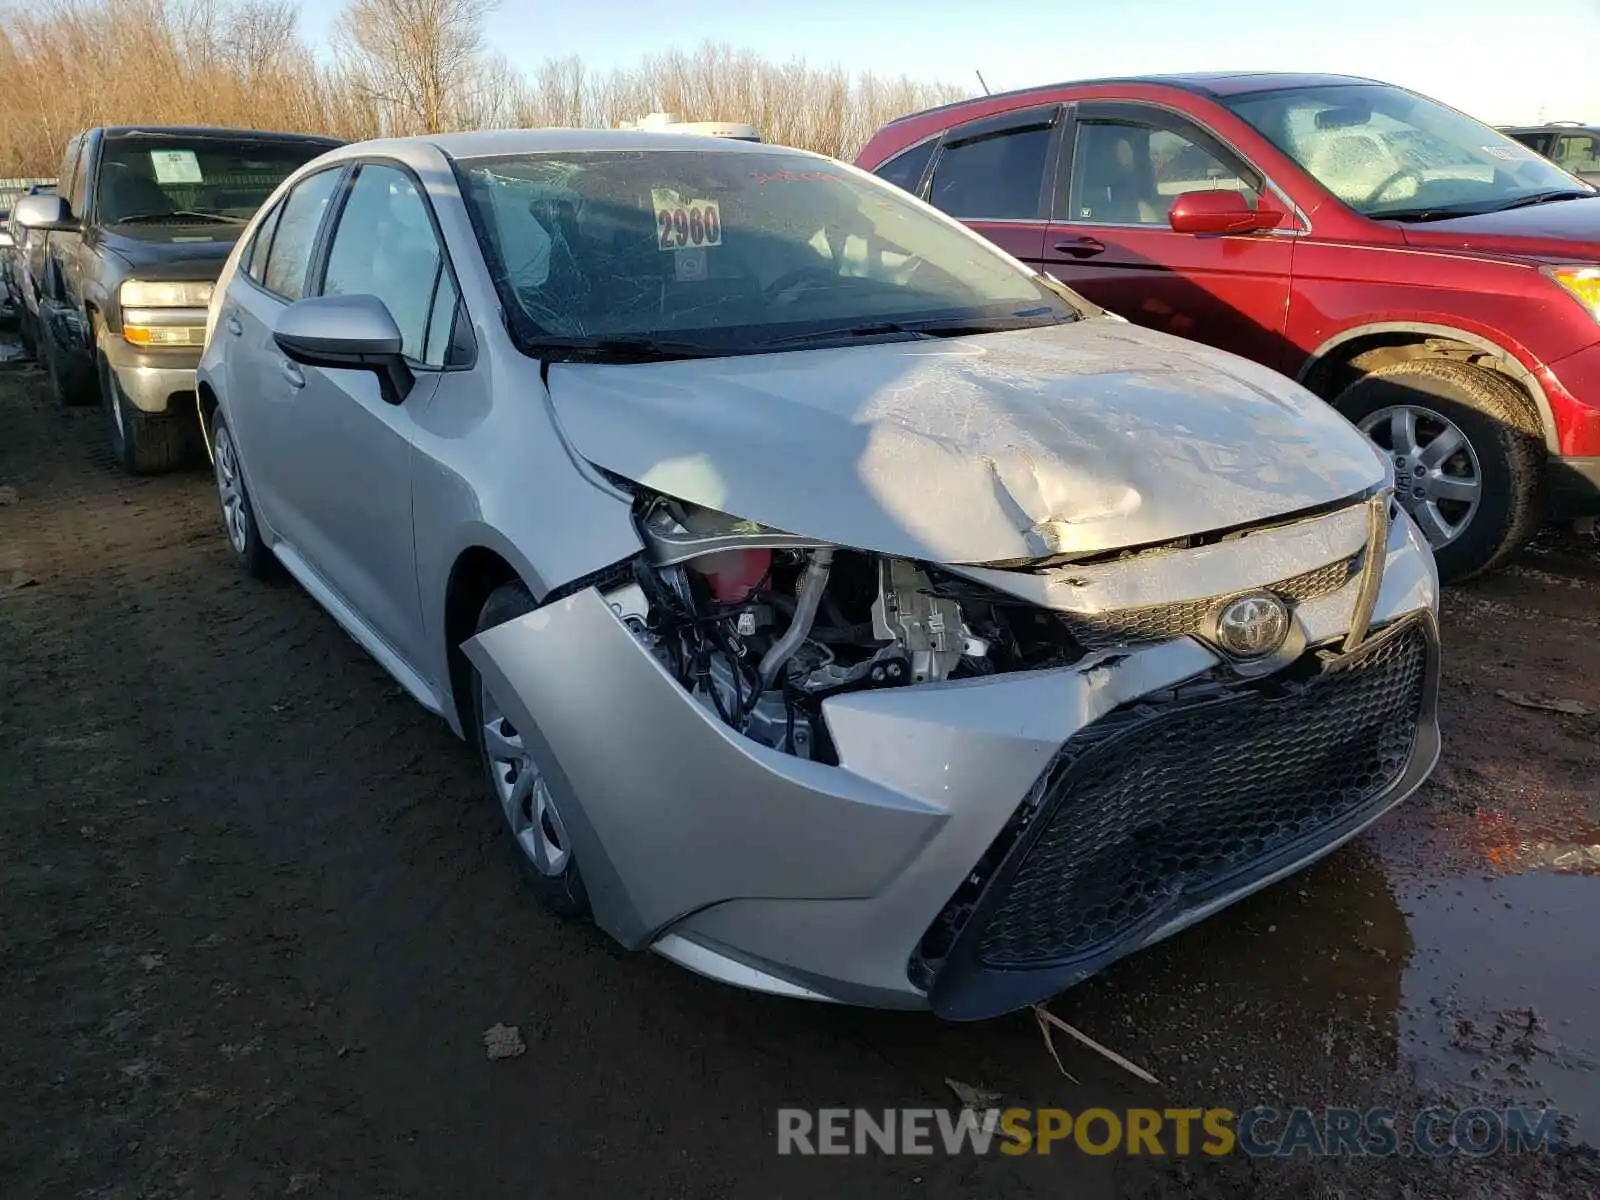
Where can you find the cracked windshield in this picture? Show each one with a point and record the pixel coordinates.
(717, 247)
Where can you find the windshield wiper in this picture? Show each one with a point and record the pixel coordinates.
(626, 346)
(1414, 215)
(1543, 198)
(151, 218)
(933, 327)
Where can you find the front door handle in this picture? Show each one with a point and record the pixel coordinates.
(291, 373)
(233, 325)
(1081, 247)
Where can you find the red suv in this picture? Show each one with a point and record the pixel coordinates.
(1435, 280)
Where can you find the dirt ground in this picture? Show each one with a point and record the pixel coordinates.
(256, 913)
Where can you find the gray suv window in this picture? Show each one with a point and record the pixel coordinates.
(384, 246)
(290, 254)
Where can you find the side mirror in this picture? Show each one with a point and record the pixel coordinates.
(46, 213)
(353, 333)
(1221, 211)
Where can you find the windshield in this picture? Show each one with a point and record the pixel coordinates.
(1387, 152)
(193, 180)
(732, 251)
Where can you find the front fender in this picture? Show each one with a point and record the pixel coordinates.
(668, 809)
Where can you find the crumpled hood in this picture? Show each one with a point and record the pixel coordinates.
(1007, 446)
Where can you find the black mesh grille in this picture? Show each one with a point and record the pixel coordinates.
(1137, 825)
(1163, 622)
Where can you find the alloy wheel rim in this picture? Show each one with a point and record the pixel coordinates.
(229, 490)
(1438, 478)
(523, 793)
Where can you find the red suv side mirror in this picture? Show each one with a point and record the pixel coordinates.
(1221, 211)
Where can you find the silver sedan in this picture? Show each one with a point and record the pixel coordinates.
(840, 608)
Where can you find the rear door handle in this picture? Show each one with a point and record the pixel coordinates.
(1081, 247)
(291, 373)
(233, 325)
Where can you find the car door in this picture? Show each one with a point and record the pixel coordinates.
(57, 281)
(352, 483)
(260, 384)
(1111, 240)
(996, 175)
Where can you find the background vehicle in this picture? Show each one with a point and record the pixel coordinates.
(1572, 146)
(1438, 282)
(665, 122)
(20, 265)
(705, 485)
(144, 223)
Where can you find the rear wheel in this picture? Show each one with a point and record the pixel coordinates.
(1467, 456)
(70, 384)
(518, 783)
(25, 331)
(238, 517)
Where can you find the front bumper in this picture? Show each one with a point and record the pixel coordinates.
(828, 882)
(154, 381)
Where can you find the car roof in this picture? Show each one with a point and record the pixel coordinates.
(1212, 84)
(215, 131)
(535, 141)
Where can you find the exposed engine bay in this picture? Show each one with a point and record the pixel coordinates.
(762, 626)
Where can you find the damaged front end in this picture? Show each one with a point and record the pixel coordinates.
(841, 774)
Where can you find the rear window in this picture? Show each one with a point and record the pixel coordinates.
(193, 180)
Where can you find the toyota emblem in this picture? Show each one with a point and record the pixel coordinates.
(1253, 626)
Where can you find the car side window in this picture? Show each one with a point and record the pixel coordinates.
(78, 190)
(441, 321)
(994, 178)
(1578, 153)
(905, 169)
(1126, 173)
(256, 256)
(296, 233)
(385, 246)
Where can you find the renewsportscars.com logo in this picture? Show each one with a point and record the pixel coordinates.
(1257, 1132)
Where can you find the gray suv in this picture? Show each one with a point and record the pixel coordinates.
(141, 225)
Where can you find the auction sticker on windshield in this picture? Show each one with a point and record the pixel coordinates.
(175, 166)
(682, 224)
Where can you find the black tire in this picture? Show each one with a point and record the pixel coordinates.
(564, 893)
(1499, 424)
(144, 443)
(70, 385)
(249, 551)
(26, 333)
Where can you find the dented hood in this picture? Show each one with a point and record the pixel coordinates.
(1068, 439)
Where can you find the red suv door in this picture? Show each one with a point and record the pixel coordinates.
(1109, 237)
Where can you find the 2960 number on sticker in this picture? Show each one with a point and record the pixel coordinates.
(687, 224)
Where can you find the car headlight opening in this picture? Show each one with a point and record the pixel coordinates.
(165, 313)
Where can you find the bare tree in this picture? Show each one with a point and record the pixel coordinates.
(70, 64)
(417, 58)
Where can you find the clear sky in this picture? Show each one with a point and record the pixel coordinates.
(1502, 62)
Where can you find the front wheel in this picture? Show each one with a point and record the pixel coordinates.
(238, 517)
(1468, 461)
(144, 443)
(518, 784)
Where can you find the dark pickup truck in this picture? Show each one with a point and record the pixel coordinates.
(142, 222)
